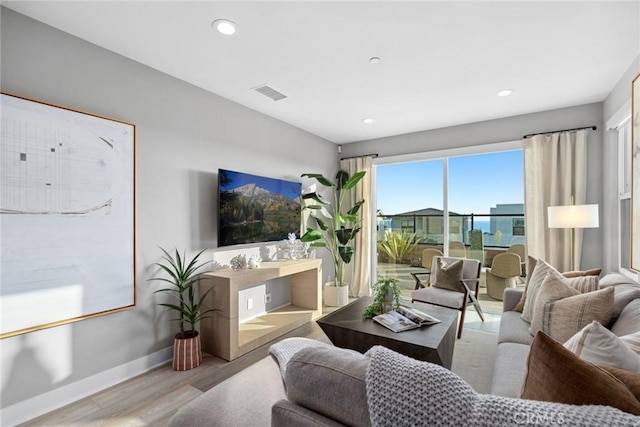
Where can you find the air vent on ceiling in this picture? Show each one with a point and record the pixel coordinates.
(270, 92)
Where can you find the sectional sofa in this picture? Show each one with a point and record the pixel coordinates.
(312, 383)
(514, 339)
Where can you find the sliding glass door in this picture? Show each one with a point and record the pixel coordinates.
(409, 216)
(486, 193)
(479, 197)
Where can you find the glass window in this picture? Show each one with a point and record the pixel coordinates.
(409, 199)
(488, 191)
(624, 186)
(484, 204)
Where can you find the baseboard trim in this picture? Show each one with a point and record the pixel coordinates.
(55, 399)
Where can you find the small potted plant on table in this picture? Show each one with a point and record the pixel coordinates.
(386, 297)
(183, 277)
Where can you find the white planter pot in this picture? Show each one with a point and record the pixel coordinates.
(336, 296)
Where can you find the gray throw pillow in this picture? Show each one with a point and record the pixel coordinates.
(449, 276)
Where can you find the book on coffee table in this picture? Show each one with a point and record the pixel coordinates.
(405, 318)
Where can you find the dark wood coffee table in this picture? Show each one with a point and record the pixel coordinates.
(345, 328)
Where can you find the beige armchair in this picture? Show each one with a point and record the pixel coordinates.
(465, 294)
(457, 249)
(427, 259)
(504, 273)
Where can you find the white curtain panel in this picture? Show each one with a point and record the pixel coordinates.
(555, 169)
(358, 272)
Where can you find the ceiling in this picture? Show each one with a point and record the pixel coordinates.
(442, 63)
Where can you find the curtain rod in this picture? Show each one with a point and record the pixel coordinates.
(561, 130)
(364, 155)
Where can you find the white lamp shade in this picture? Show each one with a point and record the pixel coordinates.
(573, 216)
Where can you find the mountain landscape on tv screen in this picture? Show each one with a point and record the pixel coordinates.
(251, 213)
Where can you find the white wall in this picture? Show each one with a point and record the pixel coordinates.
(502, 130)
(184, 134)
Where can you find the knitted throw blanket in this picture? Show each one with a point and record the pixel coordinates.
(405, 392)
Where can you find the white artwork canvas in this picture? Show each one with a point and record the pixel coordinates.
(67, 198)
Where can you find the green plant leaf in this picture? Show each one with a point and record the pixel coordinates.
(398, 245)
(344, 235)
(316, 197)
(348, 218)
(355, 231)
(311, 235)
(321, 224)
(341, 178)
(354, 210)
(320, 178)
(346, 253)
(353, 180)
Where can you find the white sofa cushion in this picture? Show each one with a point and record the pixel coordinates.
(632, 341)
(600, 346)
(533, 286)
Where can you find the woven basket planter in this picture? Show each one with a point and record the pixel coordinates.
(187, 352)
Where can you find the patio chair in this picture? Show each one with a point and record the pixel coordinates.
(520, 250)
(448, 287)
(457, 249)
(504, 273)
(427, 260)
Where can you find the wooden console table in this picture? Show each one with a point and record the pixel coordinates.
(222, 334)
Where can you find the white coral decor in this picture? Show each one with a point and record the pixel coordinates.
(254, 261)
(238, 262)
(293, 248)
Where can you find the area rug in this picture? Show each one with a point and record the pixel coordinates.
(473, 357)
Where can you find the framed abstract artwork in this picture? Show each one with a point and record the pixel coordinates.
(67, 215)
(635, 174)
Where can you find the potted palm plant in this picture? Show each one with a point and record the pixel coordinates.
(182, 278)
(336, 225)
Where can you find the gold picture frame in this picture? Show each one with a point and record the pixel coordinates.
(67, 207)
(635, 174)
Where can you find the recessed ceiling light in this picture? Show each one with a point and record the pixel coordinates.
(367, 121)
(374, 60)
(224, 26)
(505, 92)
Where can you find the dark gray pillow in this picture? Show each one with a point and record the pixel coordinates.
(331, 382)
(449, 276)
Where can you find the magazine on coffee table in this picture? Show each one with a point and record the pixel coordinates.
(405, 318)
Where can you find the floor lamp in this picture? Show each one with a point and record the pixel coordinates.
(573, 216)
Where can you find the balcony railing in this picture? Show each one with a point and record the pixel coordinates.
(502, 230)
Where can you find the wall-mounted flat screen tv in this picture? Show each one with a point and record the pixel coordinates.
(256, 209)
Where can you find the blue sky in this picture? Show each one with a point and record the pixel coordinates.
(476, 183)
